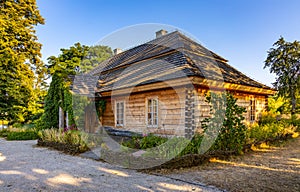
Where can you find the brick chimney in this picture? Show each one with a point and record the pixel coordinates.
(117, 51)
(161, 33)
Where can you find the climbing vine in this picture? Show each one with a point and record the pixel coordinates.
(58, 96)
(68, 106)
(52, 103)
(61, 68)
(100, 107)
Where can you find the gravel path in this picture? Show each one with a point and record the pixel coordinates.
(25, 167)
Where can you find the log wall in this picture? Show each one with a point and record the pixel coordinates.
(173, 110)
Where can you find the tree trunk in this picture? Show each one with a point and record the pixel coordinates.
(293, 101)
(61, 119)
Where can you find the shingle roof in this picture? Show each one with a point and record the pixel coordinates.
(171, 56)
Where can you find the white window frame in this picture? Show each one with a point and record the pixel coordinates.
(252, 110)
(150, 111)
(117, 113)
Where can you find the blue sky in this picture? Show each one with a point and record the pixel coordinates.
(238, 30)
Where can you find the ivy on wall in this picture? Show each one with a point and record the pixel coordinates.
(100, 107)
(52, 103)
(58, 96)
(68, 106)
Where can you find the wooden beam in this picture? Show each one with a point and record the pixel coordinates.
(192, 81)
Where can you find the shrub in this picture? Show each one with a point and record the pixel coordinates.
(295, 121)
(267, 117)
(149, 141)
(176, 147)
(4, 132)
(17, 125)
(194, 146)
(226, 123)
(270, 131)
(162, 147)
(168, 150)
(19, 134)
(133, 143)
(29, 134)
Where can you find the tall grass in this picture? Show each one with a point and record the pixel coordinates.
(73, 138)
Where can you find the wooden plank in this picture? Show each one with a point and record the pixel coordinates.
(232, 87)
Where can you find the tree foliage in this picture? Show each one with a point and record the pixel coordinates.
(96, 54)
(226, 123)
(64, 65)
(21, 69)
(276, 104)
(53, 101)
(284, 60)
(62, 68)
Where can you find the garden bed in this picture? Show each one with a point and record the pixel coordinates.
(148, 163)
(134, 160)
(71, 149)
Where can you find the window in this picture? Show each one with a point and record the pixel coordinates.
(152, 113)
(120, 113)
(252, 110)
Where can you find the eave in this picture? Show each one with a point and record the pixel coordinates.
(190, 82)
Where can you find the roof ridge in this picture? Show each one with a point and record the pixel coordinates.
(198, 44)
(154, 41)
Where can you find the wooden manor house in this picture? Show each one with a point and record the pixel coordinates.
(159, 87)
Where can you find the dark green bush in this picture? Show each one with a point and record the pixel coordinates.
(133, 143)
(19, 134)
(226, 123)
(17, 125)
(162, 147)
(150, 141)
(22, 135)
(193, 146)
(4, 132)
(169, 149)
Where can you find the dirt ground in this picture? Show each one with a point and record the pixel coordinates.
(265, 169)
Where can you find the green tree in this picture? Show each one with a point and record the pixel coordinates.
(21, 68)
(61, 68)
(96, 54)
(68, 60)
(284, 60)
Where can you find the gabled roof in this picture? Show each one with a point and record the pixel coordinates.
(168, 57)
